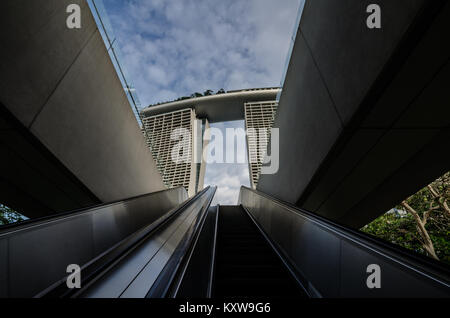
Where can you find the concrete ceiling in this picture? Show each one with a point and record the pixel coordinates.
(364, 115)
(69, 136)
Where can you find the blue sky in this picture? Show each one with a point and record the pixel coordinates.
(173, 48)
(228, 177)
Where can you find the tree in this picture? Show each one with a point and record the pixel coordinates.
(420, 222)
(8, 215)
(196, 94)
(208, 92)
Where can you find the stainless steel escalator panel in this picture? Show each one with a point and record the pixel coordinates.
(120, 277)
(134, 275)
(38, 252)
(332, 260)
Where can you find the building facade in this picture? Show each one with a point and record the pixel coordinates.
(176, 142)
(259, 118)
(256, 106)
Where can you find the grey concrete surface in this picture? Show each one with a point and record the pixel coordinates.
(386, 102)
(348, 55)
(308, 126)
(62, 87)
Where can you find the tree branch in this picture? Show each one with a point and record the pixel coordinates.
(433, 192)
(427, 243)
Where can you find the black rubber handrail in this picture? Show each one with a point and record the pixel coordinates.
(4, 229)
(214, 253)
(169, 280)
(101, 264)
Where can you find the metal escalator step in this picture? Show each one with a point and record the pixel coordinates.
(246, 265)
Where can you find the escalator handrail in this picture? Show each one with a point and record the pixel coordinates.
(95, 268)
(14, 227)
(214, 253)
(429, 267)
(170, 278)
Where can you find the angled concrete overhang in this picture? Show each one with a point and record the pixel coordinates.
(68, 136)
(364, 116)
(217, 108)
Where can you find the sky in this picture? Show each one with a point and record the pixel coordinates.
(228, 177)
(173, 48)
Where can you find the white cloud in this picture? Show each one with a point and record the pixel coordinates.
(184, 46)
(227, 177)
(173, 48)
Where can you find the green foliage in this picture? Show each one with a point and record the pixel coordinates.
(8, 215)
(400, 227)
(195, 95)
(208, 92)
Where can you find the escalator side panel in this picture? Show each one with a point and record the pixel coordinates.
(140, 268)
(38, 252)
(118, 279)
(333, 261)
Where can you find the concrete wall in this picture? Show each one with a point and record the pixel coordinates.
(205, 140)
(61, 85)
(360, 107)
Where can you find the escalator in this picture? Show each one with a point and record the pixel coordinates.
(268, 248)
(246, 264)
(232, 258)
(164, 245)
(104, 241)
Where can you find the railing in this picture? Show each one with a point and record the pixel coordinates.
(171, 277)
(101, 18)
(119, 273)
(105, 277)
(291, 47)
(48, 245)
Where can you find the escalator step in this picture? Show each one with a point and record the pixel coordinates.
(246, 265)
